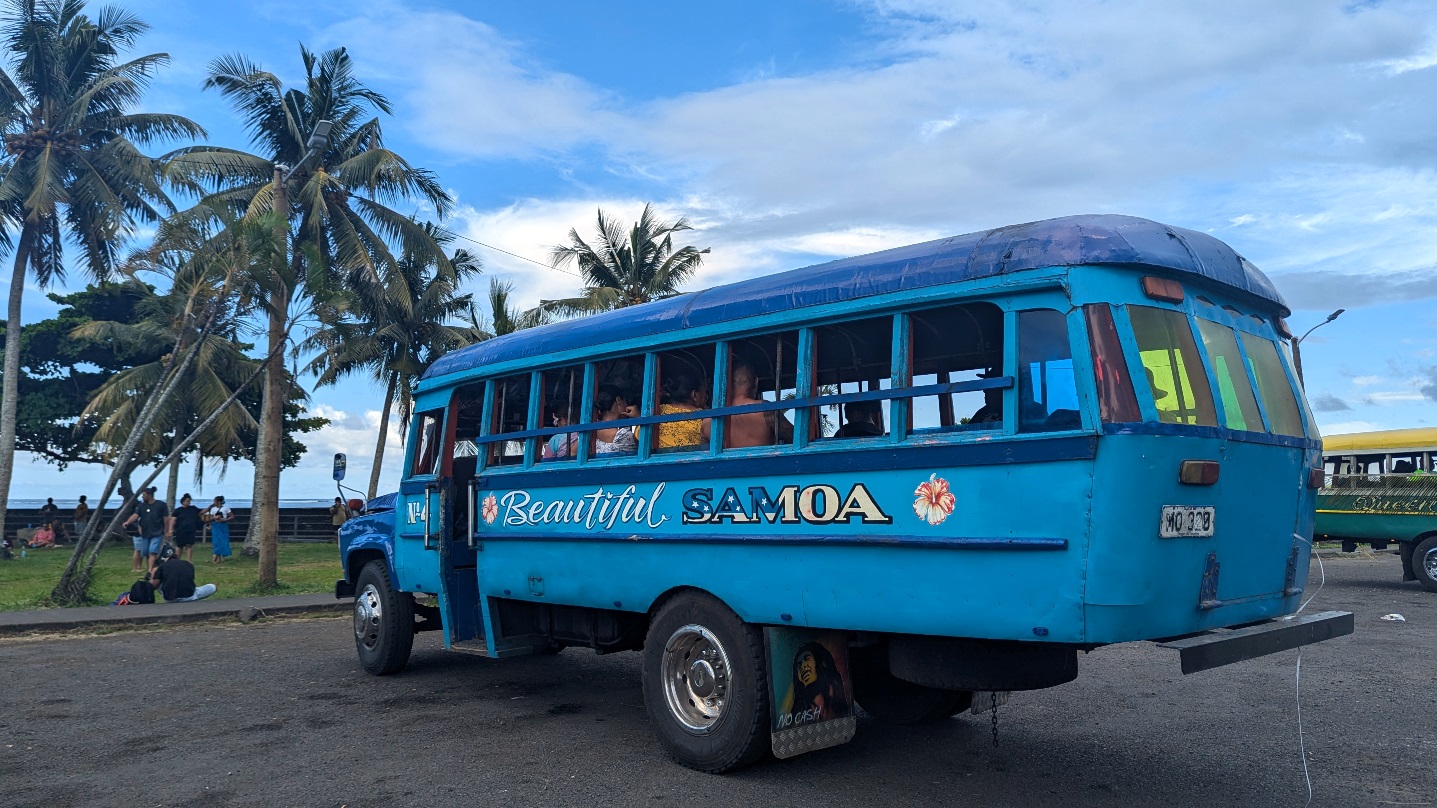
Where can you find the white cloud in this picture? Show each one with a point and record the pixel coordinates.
(1366, 381)
(1348, 427)
(1392, 397)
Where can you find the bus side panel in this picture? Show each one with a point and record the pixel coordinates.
(1141, 586)
(1368, 526)
(1000, 558)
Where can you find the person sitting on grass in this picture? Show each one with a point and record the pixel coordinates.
(174, 578)
(44, 537)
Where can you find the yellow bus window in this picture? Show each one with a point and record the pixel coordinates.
(1175, 373)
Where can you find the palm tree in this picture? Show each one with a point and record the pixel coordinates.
(71, 168)
(336, 209)
(220, 367)
(504, 318)
(621, 270)
(394, 329)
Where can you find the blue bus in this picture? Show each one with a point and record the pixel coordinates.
(914, 481)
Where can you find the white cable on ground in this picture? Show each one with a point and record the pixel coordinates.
(1301, 747)
(1297, 678)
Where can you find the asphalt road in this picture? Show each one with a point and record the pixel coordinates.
(280, 714)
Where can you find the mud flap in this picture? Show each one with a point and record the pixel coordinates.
(810, 690)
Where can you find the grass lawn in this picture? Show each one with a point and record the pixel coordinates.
(25, 583)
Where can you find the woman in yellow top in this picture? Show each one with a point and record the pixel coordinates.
(680, 394)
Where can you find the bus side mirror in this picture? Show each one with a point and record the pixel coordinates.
(339, 463)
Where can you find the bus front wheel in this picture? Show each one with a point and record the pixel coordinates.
(896, 701)
(705, 686)
(1424, 563)
(383, 621)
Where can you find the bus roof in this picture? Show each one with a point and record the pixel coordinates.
(1383, 441)
(1067, 241)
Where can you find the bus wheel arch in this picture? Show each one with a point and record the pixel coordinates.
(1423, 561)
(383, 621)
(705, 682)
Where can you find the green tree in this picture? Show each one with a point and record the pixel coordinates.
(504, 318)
(394, 329)
(626, 269)
(72, 167)
(335, 210)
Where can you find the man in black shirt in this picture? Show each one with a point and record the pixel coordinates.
(174, 578)
(154, 520)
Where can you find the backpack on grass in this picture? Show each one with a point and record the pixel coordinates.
(142, 592)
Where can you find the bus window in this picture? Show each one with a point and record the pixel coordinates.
(853, 357)
(469, 418)
(561, 406)
(1170, 359)
(761, 368)
(684, 385)
(511, 414)
(1047, 389)
(618, 395)
(426, 445)
(957, 344)
(1239, 404)
(1117, 402)
(1273, 385)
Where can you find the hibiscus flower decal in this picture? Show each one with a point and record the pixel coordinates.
(490, 509)
(933, 501)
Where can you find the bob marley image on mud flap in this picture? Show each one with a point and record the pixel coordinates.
(812, 695)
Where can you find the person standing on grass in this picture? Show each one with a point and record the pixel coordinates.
(174, 578)
(155, 525)
(187, 528)
(82, 515)
(220, 516)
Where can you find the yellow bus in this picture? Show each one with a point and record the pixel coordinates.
(1381, 487)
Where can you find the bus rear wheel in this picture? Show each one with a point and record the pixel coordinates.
(1424, 563)
(383, 621)
(896, 701)
(705, 684)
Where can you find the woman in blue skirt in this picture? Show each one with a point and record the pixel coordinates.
(219, 516)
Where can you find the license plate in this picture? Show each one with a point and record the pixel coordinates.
(1181, 521)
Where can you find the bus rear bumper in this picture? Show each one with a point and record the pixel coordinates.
(1213, 649)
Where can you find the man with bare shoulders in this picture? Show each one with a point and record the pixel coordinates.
(750, 428)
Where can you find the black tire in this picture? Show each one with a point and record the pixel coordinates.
(1424, 563)
(698, 732)
(383, 621)
(895, 701)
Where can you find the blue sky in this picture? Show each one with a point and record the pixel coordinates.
(1301, 133)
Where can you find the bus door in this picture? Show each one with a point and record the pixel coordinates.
(458, 550)
(419, 510)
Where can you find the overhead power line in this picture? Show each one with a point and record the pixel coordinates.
(506, 252)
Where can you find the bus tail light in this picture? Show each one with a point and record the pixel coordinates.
(1162, 289)
(1198, 472)
(1316, 477)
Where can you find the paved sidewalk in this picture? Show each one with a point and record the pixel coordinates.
(88, 616)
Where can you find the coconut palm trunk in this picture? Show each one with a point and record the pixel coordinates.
(10, 398)
(383, 434)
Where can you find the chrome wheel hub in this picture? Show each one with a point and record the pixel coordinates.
(1429, 563)
(696, 678)
(368, 615)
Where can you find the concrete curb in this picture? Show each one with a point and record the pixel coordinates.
(45, 620)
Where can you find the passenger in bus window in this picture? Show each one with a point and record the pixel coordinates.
(564, 445)
(611, 405)
(991, 413)
(750, 428)
(681, 393)
(862, 419)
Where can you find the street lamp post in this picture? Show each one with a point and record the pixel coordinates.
(1297, 351)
